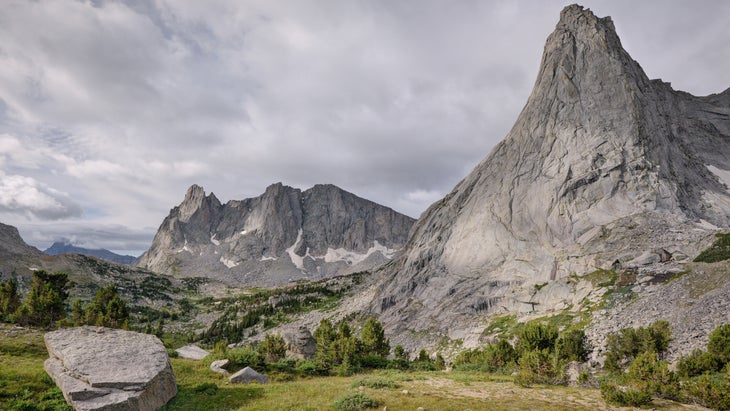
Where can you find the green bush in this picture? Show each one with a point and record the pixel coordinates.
(572, 346)
(624, 396)
(500, 357)
(536, 335)
(244, 357)
(712, 391)
(698, 363)
(719, 344)
(273, 347)
(624, 346)
(355, 401)
(652, 375)
(540, 367)
(311, 368)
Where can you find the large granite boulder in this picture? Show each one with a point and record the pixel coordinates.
(101, 368)
(300, 344)
(248, 375)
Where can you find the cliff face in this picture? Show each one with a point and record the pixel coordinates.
(281, 236)
(602, 166)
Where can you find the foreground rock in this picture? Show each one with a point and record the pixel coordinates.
(248, 375)
(217, 366)
(100, 368)
(192, 352)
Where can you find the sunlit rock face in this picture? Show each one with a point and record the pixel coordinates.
(281, 236)
(601, 167)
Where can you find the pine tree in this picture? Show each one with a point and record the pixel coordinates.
(373, 339)
(9, 298)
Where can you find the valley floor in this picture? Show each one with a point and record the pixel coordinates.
(24, 385)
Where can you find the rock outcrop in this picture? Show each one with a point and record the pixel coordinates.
(192, 352)
(101, 368)
(248, 375)
(281, 236)
(602, 166)
(300, 344)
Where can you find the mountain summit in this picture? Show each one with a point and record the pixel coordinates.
(603, 166)
(283, 235)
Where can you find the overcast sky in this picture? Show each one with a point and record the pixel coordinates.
(109, 111)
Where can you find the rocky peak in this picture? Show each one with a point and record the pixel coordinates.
(280, 236)
(601, 165)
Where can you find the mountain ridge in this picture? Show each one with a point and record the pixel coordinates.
(63, 247)
(283, 235)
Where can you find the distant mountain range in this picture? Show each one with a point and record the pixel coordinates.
(67, 248)
(283, 235)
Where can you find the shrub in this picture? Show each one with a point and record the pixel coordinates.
(711, 391)
(624, 346)
(355, 401)
(273, 347)
(309, 367)
(623, 396)
(245, 357)
(698, 363)
(652, 375)
(719, 344)
(572, 346)
(537, 336)
(540, 367)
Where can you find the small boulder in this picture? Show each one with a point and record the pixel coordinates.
(217, 366)
(192, 352)
(248, 375)
(100, 368)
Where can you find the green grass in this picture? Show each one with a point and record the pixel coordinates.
(601, 278)
(25, 386)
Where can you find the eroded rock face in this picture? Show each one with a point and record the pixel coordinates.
(300, 344)
(101, 368)
(281, 236)
(602, 167)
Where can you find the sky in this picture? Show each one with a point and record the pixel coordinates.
(110, 110)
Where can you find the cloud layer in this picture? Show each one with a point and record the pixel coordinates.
(112, 109)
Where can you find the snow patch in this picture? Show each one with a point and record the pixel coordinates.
(297, 260)
(243, 232)
(723, 175)
(184, 248)
(228, 263)
(352, 258)
(214, 241)
(266, 258)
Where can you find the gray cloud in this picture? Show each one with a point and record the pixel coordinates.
(27, 197)
(123, 105)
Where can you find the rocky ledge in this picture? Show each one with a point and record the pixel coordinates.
(101, 368)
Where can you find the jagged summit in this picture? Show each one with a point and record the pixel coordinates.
(602, 166)
(281, 236)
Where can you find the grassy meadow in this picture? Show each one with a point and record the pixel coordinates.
(24, 385)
